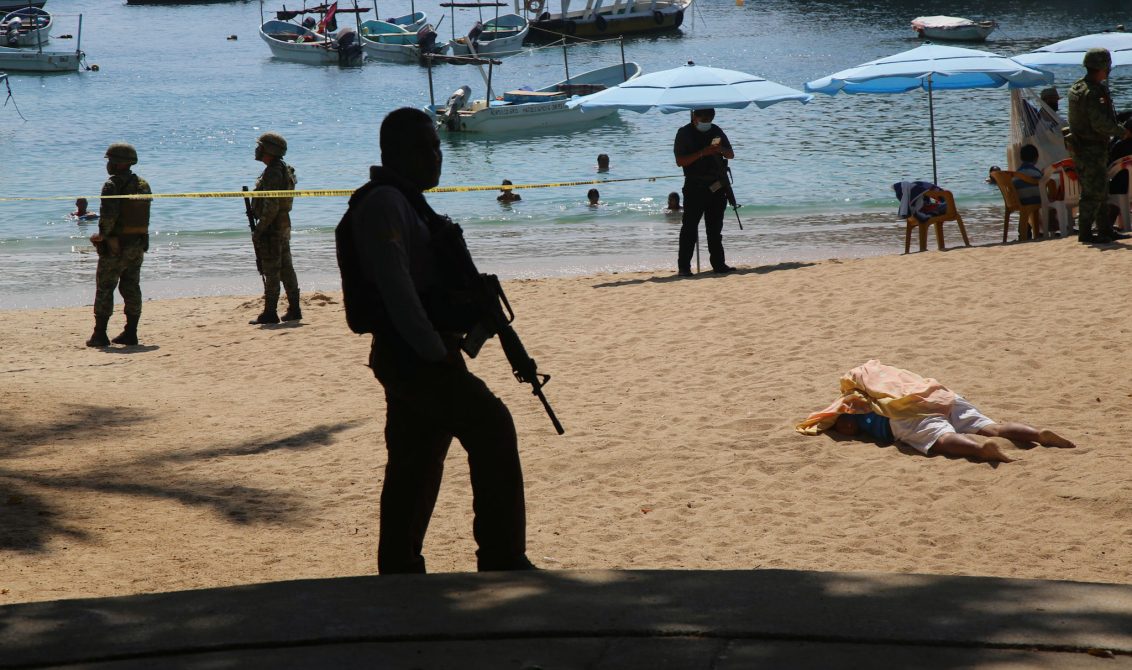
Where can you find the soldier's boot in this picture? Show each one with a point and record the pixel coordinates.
(269, 315)
(98, 338)
(129, 334)
(294, 308)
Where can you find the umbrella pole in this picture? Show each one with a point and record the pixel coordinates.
(931, 119)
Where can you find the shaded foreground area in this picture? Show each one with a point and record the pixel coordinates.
(589, 619)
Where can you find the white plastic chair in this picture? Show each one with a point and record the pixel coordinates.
(1120, 200)
(1063, 177)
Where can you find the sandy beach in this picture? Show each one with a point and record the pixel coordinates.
(219, 453)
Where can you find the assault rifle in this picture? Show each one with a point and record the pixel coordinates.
(725, 180)
(496, 314)
(251, 224)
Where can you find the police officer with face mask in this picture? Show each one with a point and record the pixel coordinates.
(702, 149)
(122, 240)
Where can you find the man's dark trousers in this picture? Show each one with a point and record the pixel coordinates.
(427, 405)
(699, 202)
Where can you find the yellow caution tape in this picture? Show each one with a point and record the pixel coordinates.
(326, 192)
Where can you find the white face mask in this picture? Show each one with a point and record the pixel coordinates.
(703, 127)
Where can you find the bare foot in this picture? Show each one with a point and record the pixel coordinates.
(1048, 438)
(992, 450)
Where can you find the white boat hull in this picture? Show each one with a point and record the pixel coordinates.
(529, 117)
(964, 34)
(501, 47)
(953, 28)
(279, 36)
(390, 53)
(25, 60)
(502, 117)
(311, 54)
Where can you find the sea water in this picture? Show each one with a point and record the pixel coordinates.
(814, 180)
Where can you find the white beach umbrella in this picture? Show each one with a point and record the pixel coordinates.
(930, 67)
(690, 87)
(1072, 51)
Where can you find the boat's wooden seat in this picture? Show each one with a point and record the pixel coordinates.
(533, 96)
(580, 89)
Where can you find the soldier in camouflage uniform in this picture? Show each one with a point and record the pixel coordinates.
(272, 236)
(122, 240)
(1092, 122)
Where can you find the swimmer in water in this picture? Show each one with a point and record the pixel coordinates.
(81, 213)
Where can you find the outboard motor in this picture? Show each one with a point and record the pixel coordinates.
(13, 35)
(349, 49)
(426, 39)
(459, 99)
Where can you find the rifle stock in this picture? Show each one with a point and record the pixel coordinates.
(251, 224)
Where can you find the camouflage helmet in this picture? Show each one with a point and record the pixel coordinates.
(120, 152)
(273, 143)
(1098, 59)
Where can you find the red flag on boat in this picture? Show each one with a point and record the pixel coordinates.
(328, 18)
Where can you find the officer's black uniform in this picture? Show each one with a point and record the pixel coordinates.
(705, 195)
(430, 395)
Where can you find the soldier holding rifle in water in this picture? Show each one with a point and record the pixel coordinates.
(272, 234)
(408, 279)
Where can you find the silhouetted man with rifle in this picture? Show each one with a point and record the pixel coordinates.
(702, 149)
(408, 279)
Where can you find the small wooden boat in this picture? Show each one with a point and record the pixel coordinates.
(293, 42)
(952, 28)
(531, 110)
(392, 43)
(622, 17)
(412, 22)
(500, 36)
(25, 27)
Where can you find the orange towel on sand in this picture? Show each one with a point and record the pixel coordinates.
(885, 390)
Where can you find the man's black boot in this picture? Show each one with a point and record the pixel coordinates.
(267, 316)
(294, 308)
(98, 338)
(129, 335)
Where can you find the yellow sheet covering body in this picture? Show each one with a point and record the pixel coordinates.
(886, 390)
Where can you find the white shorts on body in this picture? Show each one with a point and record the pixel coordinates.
(921, 433)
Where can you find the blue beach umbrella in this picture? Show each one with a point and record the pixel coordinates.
(1072, 51)
(691, 87)
(929, 67)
